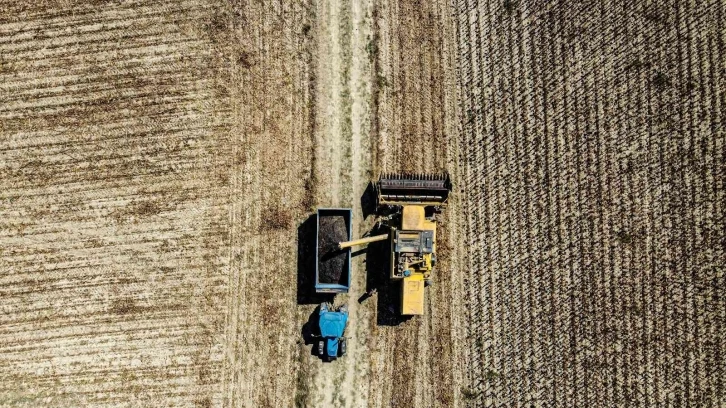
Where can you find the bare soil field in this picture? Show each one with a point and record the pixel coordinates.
(114, 205)
(594, 200)
(160, 162)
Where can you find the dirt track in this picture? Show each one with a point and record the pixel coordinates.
(159, 163)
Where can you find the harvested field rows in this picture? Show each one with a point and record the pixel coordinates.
(112, 206)
(594, 197)
(159, 163)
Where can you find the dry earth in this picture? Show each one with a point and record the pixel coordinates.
(594, 198)
(159, 162)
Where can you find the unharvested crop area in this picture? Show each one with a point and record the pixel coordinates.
(594, 202)
(159, 163)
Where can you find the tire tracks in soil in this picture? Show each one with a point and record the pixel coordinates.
(341, 172)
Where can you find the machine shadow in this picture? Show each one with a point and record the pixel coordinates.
(310, 331)
(368, 201)
(306, 264)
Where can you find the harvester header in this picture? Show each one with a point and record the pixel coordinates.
(413, 189)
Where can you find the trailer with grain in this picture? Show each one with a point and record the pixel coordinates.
(332, 264)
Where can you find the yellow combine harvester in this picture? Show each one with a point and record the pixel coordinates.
(410, 203)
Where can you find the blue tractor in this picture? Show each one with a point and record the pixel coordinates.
(332, 325)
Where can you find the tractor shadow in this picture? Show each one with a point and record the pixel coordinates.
(377, 281)
(310, 332)
(306, 264)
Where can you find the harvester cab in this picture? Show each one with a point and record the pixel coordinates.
(332, 325)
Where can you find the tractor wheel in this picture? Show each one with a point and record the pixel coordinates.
(321, 347)
(342, 348)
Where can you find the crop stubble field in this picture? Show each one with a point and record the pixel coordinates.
(160, 161)
(595, 202)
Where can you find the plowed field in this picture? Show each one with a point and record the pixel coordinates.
(594, 157)
(160, 162)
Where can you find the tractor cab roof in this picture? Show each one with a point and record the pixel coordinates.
(332, 324)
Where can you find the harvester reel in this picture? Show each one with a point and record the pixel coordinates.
(408, 188)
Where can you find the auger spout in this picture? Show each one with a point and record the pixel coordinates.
(362, 241)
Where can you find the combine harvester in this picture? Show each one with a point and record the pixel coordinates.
(410, 202)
